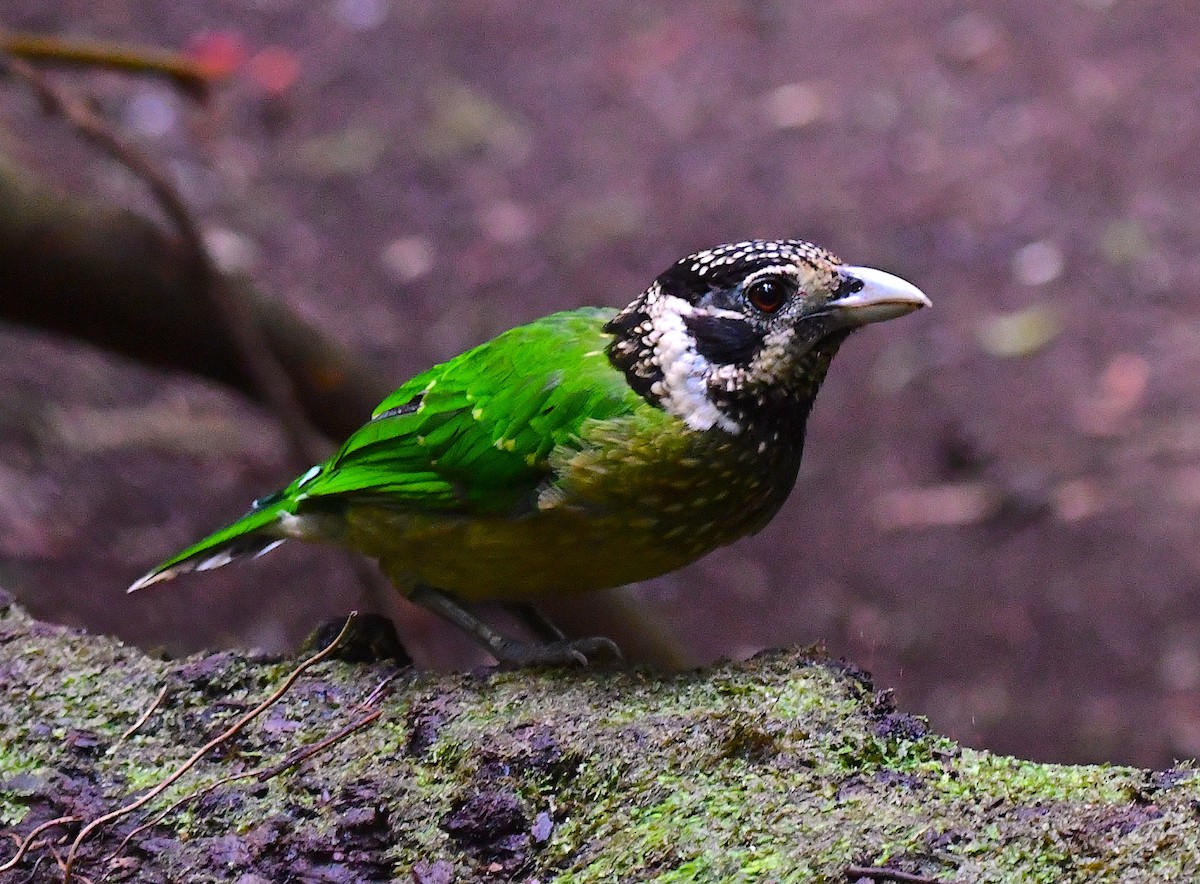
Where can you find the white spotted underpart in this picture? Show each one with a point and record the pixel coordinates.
(683, 389)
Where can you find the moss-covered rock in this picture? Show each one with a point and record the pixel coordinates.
(787, 767)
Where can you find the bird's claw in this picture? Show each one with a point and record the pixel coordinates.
(595, 646)
(574, 651)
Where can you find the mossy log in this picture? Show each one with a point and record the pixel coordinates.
(788, 767)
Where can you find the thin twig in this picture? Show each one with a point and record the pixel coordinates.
(95, 128)
(378, 692)
(142, 719)
(296, 756)
(224, 736)
(237, 316)
(83, 52)
(32, 836)
(175, 805)
(882, 873)
(65, 868)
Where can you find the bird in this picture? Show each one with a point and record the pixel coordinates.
(588, 449)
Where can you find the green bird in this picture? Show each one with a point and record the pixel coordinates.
(588, 449)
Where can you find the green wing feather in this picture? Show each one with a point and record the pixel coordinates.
(472, 435)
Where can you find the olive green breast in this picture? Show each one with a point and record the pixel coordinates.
(633, 498)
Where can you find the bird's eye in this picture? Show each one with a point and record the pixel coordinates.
(767, 295)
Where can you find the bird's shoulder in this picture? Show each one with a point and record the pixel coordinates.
(475, 432)
(569, 340)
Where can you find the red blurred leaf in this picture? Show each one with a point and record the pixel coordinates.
(217, 53)
(274, 68)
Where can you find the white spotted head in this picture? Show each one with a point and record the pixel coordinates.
(739, 337)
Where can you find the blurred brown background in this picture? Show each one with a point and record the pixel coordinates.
(998, 510)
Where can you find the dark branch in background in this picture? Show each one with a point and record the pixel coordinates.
(268, 376)
(117, 281)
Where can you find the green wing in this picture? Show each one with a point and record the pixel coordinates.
(473, 434)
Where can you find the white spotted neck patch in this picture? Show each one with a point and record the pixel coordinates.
(685, 375)
(658, 353)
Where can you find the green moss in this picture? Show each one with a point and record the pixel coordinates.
(14, 766)
(1025, 781)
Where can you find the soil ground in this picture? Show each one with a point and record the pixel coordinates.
(998, 511)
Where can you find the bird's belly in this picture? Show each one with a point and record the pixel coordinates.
(495, 559)
(627, 507)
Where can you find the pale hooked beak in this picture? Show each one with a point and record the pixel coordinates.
(882, 296)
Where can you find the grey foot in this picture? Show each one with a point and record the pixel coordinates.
(510, 652)
(566, 652)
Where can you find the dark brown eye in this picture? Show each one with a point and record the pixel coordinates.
(767, 295)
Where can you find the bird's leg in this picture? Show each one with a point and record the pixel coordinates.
(547, 630)
(508, 651)
(543, 627)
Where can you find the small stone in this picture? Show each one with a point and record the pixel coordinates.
(84, 742)
(152, 113)
(793, 106)
(901, 726)
(408, 258)
(440, 872)
(1021, 332)
(1037, 263)
(361, 15)
(252, 878)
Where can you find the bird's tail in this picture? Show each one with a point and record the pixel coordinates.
(254, 534)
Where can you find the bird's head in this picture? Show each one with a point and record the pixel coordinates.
(742, 334)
